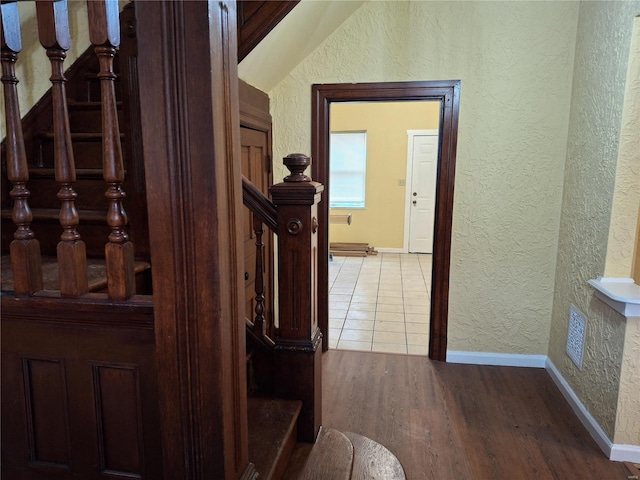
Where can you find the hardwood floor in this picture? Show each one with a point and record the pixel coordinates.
(451, 421)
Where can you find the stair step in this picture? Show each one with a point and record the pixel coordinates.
(80, 173)
(331, 457)
(79, 137)
(53, 214)
(272, 434)
(96, 273)
(372, 461)
(90, 193)
(86, 117)
(75, 105)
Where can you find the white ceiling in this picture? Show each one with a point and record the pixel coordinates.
(295, 37)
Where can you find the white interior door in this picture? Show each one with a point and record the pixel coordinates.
(422, 194)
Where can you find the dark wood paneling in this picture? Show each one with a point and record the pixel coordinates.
(79, 389)
(119, 420)
(47, 416)
(446, 92)
(256, 19)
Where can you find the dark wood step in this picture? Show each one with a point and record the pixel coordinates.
(372, 461)
(78, 137)
(92, 85)
(91, 190)
(331, 457)
(87, 149)
(96, 273)
(272, 434)
(53, 214)
(35, 172)
(86, 117)
(93, 229)
(75, 105)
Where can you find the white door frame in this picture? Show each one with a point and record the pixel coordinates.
(407, 211)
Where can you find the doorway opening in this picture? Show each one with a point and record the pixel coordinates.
(448, 94)
(378, 293)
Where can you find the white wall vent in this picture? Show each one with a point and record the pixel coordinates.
(576, 335)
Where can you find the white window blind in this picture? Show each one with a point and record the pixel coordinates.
(348, 163)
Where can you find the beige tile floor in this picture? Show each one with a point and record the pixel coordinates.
(380, 303)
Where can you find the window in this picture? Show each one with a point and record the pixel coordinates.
(348, 161)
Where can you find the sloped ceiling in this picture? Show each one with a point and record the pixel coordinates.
(295, 37)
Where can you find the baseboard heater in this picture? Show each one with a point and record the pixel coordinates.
(351, 249)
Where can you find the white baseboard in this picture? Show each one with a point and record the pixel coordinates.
(500, 359)
(625, 453)
(615, 452)
(590, 423)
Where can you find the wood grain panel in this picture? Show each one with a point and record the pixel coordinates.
(47, 411)
(88, 366)
(117, 394)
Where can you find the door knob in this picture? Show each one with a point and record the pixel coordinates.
(415, 194)
(415, 202)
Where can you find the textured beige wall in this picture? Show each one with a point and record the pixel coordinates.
(602, 52)
(627, 426)
(636, 255)
(515, 61)
(626, 204)
(381, 222)
(626, 198)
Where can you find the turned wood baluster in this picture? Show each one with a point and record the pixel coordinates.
(259, 327)
(25, 249)
(104, 30)
(53, 29)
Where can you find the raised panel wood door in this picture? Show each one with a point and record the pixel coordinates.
(256, 167)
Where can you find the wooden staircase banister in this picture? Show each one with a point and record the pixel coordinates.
(298, 356)
(25, 248)
(104, 30)
(259, 204)
(53, 31)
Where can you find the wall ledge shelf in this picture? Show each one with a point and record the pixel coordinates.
(621, 294)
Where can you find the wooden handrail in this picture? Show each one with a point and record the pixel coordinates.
(25, 249)
(260, 205)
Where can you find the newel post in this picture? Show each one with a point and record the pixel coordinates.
(298, 364)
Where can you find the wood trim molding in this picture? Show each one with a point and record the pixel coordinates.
(256, 19)
(190, 130)
(254, 107)
(448, 93)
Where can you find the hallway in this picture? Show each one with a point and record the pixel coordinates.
(380, 303)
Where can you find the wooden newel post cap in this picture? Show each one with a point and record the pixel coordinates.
(297, 163)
